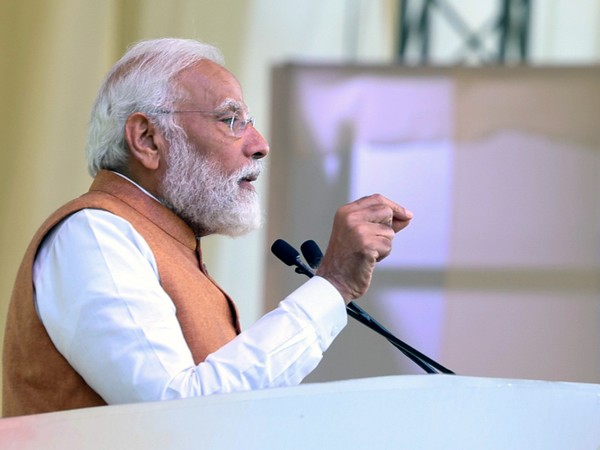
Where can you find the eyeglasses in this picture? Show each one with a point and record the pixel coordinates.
(237, 125)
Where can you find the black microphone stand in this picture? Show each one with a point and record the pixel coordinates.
(291, 257)
(423, 361)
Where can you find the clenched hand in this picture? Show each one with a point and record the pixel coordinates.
(362, 235)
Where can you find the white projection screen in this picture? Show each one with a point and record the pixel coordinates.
(498, 274)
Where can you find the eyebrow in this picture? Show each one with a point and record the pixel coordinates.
(230, 104)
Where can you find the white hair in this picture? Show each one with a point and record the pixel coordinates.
(141, 81)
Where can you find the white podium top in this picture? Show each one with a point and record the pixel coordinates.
(402, 412)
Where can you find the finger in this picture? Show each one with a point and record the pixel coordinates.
(380, 214)
(383, 214)
(376, 238)
(398, 225)
(382, 244)
(399, 213)
(386, 232)
(401, 216)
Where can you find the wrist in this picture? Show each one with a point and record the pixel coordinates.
(341, 287)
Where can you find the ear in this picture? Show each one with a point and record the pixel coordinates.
(144, 140)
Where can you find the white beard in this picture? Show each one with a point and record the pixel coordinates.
(208, 200)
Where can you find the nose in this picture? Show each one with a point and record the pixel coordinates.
(257, 146)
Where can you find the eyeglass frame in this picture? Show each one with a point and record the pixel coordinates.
(232, 120)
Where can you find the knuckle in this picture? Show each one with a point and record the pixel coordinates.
(377, 197)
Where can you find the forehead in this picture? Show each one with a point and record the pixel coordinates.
(207, 85)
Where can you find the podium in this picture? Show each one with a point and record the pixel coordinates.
(398, 412)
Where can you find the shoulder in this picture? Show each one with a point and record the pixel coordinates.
(90, 228)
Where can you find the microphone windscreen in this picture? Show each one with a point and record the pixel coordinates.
(285, 252)
(312, 253)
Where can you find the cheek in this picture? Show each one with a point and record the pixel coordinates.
(226, 154)
(228, 159)
(210, 147)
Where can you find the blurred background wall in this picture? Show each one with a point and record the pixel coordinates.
(55, 53)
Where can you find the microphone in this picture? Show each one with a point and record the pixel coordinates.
(290, 256)
(313, 255)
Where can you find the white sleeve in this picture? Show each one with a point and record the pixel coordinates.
(98, 295)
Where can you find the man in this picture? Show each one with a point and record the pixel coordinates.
(112, 303)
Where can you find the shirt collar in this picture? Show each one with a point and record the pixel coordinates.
(137, 185)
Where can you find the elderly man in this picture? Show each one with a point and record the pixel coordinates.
(112, 303)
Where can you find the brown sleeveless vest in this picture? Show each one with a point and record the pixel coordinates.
(36, 377)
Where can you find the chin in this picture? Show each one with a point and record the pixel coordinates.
(242, 229)
(230, 228)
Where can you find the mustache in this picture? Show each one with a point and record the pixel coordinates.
(251, 171)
